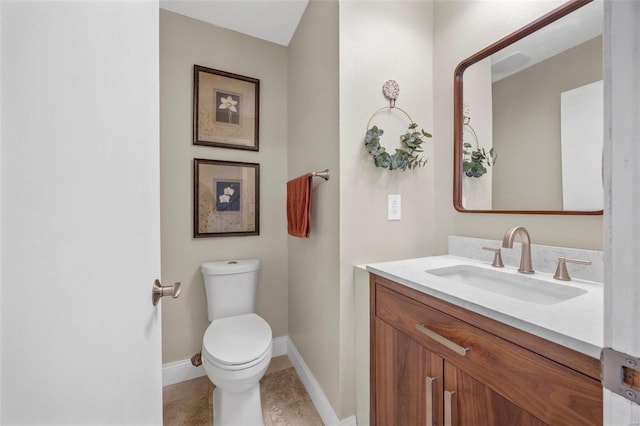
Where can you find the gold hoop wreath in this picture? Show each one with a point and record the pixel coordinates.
(403, 158)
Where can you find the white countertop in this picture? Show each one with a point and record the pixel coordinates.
(576, 323)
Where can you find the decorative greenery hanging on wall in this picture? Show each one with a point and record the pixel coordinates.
(403, 158)
(474, 160)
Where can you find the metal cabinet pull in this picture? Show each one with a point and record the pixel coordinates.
(428, 381)
(159, 291)
(448, 415)
(442, 340)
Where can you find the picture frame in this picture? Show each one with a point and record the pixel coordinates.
(226, 109)
(226, 198)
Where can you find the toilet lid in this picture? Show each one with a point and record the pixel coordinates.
(237, 340)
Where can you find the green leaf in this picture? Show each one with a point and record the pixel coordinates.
(402, 158)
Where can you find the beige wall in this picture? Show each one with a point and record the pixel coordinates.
(527, 104)
(381, 41)
(183, 43)
(350, 223)
(368, 58)
(314, 283)
(476, 192)
(461, 29)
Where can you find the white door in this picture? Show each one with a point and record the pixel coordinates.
(622, 203)
(80, 226)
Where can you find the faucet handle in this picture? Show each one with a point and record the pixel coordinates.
(497, 257)
(561, 271)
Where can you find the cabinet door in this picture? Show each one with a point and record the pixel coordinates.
(469, 402)
(408, 380)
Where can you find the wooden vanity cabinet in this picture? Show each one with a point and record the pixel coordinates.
(409, 379)
(433, 363)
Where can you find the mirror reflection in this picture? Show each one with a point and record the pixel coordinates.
(531, 120)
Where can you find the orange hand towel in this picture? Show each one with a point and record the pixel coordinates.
(299, 206)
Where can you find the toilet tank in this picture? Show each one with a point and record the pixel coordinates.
(230, 287)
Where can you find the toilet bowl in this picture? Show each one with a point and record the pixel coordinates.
(237, 345)
(236, 351)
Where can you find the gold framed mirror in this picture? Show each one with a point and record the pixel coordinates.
(528, 121)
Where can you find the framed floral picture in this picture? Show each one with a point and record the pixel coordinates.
(226, 197)
(225, 109)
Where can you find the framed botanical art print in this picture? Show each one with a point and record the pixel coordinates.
(225, 109)
(226, 198)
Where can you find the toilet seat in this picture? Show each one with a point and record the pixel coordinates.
(237, 342)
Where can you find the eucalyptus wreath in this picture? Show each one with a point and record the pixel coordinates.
(404, 158)
(473, 160)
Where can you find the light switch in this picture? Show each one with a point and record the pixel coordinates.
(394, 207)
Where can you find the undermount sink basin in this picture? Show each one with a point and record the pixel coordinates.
(522, 287)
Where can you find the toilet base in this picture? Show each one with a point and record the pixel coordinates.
(237, 408)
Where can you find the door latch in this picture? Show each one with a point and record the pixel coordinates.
(620, 373)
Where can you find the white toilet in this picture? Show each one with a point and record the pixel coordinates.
(236, 349)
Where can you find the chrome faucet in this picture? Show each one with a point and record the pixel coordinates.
(526, 267)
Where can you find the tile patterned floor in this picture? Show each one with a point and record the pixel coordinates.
(284, 400)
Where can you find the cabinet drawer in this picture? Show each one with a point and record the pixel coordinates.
(550, 391)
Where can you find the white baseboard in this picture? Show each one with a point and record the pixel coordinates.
(180, 371)
(280, 346)
(315, 392)
(349, 421)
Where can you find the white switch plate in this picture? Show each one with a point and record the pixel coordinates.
(394, 207)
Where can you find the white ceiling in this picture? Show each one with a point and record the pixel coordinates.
(272, 20)
(576, 28)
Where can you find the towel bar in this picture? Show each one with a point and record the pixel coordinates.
(324, 174)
